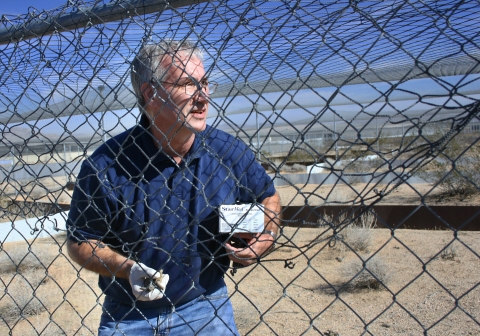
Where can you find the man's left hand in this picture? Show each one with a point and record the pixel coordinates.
(255, 246)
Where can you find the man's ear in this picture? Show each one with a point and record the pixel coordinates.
(147, 92)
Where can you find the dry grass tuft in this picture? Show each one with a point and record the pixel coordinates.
(375, 274)
(19, 300)
(25, 257)
(450, 252)
(358, 236)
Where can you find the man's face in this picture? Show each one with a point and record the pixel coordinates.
(176, 108)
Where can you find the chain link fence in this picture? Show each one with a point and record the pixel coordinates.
(364, 113)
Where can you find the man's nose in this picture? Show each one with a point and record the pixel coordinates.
(202, 95)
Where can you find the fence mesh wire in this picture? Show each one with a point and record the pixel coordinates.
(365, 113)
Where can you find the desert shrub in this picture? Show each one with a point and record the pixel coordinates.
(458, 180)
(19, 299)
(12, 211)
(375, 274)
(380, 141)
(303, 153)
(336, 220)
(357, 151)
(362, 166)
(358, 235)
(295, 168)
(454, 172)
(300, 155)
(24, 257)
(266, 153)
(5, 201)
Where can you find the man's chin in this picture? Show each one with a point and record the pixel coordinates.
(196, 125)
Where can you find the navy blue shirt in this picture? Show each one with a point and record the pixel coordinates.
(133, 197)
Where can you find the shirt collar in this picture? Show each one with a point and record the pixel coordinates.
(146, 141)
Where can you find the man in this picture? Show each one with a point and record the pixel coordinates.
(145, 210)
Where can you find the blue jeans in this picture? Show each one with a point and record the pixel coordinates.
(210, 314)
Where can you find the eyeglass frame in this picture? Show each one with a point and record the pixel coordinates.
(199, 86)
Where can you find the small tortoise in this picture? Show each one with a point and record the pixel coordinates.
(150, 284)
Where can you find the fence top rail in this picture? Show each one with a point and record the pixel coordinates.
(72, 17)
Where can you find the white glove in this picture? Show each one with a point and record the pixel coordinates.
(147, 284)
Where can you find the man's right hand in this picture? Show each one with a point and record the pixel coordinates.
(147, 283)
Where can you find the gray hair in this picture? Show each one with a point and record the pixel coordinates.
(146, 65)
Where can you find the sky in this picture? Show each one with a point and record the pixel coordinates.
(270, 42)
(21, 7)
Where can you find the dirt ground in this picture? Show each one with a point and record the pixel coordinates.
(299, 289)
(307, 299)
(405, 194)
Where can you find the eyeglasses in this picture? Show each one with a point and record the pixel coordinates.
(192, 87)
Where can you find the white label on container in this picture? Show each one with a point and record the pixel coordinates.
(241, 218)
